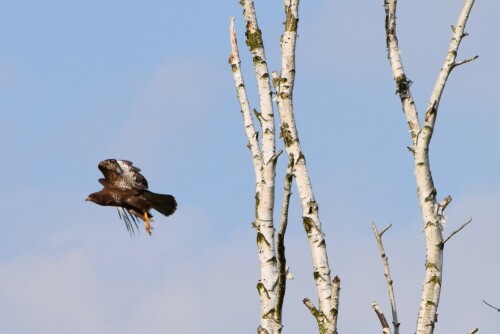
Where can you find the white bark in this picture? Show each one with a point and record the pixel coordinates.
(421, 137)
(251, 133)
(387, 273)
(284, 84)
(272, 263)
(264, 160)
(335, 301)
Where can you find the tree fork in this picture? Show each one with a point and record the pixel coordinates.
(421, 135)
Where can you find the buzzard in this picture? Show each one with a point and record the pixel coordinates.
(127, 189)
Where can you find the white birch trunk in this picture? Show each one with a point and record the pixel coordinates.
(264, 165)
(272, 264)
(284, 91)
(421, 137)
(264, 196)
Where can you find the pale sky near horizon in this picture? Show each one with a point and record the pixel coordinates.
(149, 81)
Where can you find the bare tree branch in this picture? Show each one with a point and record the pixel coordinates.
(387, 273)
(320, 316)
(383, 231)
(449, 64)
(280, 240)
(421, 136)
(457, 230)
(402, 82)
(314, 311)
(444, 203)
(381, 318)
(253, 144)
(493, 307)
(467, 60)
(335, 300)
(256, 47)
(284, 84)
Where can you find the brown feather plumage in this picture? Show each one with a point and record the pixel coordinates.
(127, 189)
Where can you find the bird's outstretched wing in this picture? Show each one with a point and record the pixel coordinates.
(122, 174)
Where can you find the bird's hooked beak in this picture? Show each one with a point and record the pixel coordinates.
(87, 199)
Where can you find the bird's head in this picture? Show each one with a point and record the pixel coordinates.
(91, 197)
(97, 198)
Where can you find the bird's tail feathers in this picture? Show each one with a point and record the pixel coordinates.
(164, 204)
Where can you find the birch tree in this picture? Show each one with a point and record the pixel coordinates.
(421, 133)
(272, 260)
(278, 87)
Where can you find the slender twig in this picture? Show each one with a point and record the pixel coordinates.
(493, 307)
(381, 318)
(384, 230)
(444, 203)
(314, 311)
(457, 230)
(280, 239)
(461, 62)
(387, 273)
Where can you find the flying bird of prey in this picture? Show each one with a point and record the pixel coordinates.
(127, 189)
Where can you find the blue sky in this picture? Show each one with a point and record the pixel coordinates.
(148, 81)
